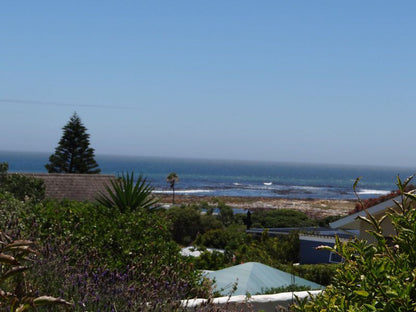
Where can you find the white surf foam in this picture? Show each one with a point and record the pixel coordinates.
(181, 191)
(370, 192)
(306, 188)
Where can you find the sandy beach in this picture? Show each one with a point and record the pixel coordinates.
(314, 208)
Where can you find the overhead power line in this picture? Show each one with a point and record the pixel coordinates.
(31, 102)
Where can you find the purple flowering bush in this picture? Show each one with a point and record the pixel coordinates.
(101, 259)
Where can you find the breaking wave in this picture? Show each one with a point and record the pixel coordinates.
(372, 192)
(182, 191)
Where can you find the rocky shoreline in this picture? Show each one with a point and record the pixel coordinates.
(313, 208)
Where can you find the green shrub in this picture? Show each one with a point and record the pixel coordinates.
(226, 214)
(280, 218)
(184, 224)
(210, 222)
(213, 260)
(21, 186)
(115, 238)
(272, 251)
(229, 238)
(319, 273)
(379, 276)
(277, 290)
(100, 258)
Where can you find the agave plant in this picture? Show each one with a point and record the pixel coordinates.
(126, 195)
(14, 291)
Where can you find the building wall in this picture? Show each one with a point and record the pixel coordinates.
(310, 255)
(386, 225)
(266, 303)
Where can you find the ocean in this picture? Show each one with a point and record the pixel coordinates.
(238, 178)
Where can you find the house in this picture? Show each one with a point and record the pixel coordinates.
(309, 254)
(73, 186)
(354, 223)
(309, 239)
(254, 278)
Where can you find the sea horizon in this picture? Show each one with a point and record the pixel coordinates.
(190, 158)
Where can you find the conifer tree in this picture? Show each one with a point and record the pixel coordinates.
(73, 154)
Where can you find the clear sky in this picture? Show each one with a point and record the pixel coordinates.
(304, 81)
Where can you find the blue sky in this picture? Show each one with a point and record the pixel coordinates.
(303, 81)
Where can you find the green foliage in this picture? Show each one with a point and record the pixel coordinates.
(125, 195)
(280, 218)
(12, 214)
(319, 273)
(102, 259)
(379, 276)
(73, 154)
(172, 178)
(117, 239)
(185, 224)
(271, 251)
(15, 292)
(277, 290)
(210, 222)
(229, 238)
(21, 186)
(226, 214)
(213, 260)
(268, 250)
(4, 166)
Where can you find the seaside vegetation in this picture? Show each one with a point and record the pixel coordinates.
(197, 225)
(380, 276)
(105, 256)
(99, 258)
(21, 186)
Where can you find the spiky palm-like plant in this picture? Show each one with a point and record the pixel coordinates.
(126, 195)
(172, 178)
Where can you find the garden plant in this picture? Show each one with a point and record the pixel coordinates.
(378, 276)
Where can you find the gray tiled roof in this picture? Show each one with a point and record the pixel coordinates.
(73, 186)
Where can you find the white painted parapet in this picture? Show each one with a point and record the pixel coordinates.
(267, 303)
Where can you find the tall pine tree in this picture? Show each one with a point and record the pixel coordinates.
(73, 154)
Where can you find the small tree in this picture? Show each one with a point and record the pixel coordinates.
(73, 154)
(172, 178)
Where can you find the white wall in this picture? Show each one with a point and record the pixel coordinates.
(267, 303)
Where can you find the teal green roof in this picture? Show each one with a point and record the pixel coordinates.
(253, 277)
